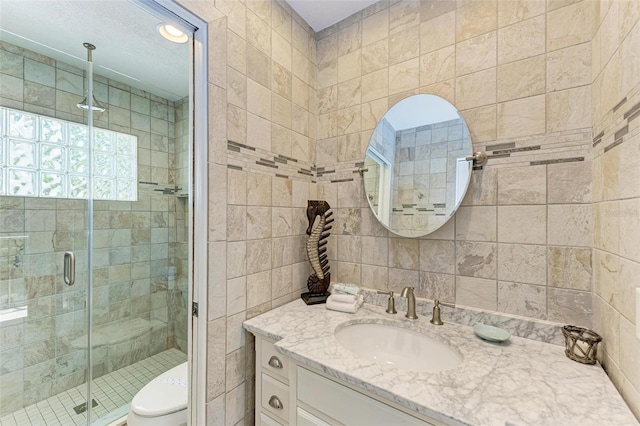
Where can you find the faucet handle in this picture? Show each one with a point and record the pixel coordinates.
(438, 302)
(436, 319)
(391, 303)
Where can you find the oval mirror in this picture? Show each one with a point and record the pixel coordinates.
(415, 168)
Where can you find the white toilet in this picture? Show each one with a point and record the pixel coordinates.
(163, 401)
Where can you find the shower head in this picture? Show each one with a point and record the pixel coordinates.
(95, 105)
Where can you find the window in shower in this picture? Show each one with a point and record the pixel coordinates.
(48, 157)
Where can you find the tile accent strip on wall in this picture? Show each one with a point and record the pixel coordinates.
(634, 115)
(508, 151)
(499, 146)
(620, 133)
(559, 160)
(251, 159)
(240, 145)
(613, 145)
(266, 164)
(619, 104)
(633, 109)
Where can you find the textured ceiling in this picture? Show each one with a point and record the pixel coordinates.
(128, 47)
(321, 14)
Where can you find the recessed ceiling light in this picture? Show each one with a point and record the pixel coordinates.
(171, 33)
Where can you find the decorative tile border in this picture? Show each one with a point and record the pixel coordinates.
(248, 158)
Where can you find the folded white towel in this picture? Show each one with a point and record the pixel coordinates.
(343, 298)
(349, 308)
(345, 288)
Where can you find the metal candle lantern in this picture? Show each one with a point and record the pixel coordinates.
(581, 344)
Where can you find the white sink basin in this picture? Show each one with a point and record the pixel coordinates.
(398, 347)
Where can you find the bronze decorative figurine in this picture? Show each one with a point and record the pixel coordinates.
(319, 216)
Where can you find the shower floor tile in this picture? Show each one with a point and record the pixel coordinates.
(110, 391)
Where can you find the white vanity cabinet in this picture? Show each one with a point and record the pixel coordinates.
(291, 394)
(273, 372)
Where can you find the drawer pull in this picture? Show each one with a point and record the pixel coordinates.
(275, 362)
(275, 403)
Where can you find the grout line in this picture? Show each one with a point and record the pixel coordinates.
(121, 384)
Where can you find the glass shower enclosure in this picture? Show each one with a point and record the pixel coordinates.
(94, 233)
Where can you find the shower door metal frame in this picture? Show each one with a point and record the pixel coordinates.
(198, 202)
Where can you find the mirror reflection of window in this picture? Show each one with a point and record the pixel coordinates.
(422, 138)
(378, 184)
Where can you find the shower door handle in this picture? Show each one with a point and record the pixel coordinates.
(69, 268)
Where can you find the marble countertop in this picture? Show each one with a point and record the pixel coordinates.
(519, 382)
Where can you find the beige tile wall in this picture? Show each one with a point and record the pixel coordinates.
(520, 72)
(262, 103)
(616, 195)
(521, 242)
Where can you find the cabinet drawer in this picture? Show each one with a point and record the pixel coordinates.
(273, 362)
(275, 397)
(267, 421)
(346, 405)
(305, 418)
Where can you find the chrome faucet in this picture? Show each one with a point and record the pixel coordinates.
(411, 302)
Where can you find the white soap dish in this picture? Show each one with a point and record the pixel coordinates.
(491, 333)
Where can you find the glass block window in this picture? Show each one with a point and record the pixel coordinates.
(46, 157)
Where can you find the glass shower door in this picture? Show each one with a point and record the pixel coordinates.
(43, 262)
(120, 207)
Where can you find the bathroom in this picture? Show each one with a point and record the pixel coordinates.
(544, 80)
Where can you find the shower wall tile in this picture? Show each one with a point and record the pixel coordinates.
(11, 63)
(476, 259)
(575, 103)
(530, 32)
(522, 299)
(522, 263)
(437, 286)
(476, 54)
(520, 185)
(569, 67)
(475, 18)
(38, 72)
(70, 82)
(476, 223)
(570, 267)
(476, 292)
(512, 218)
(574, 183)
(560, 35)
(570, 224)
(570, 307)
(398, 278)
(216, 371)
(437, 66)
(516, 11)
(521, 78)
(476, 89)
(12, 89)
(521, 117)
